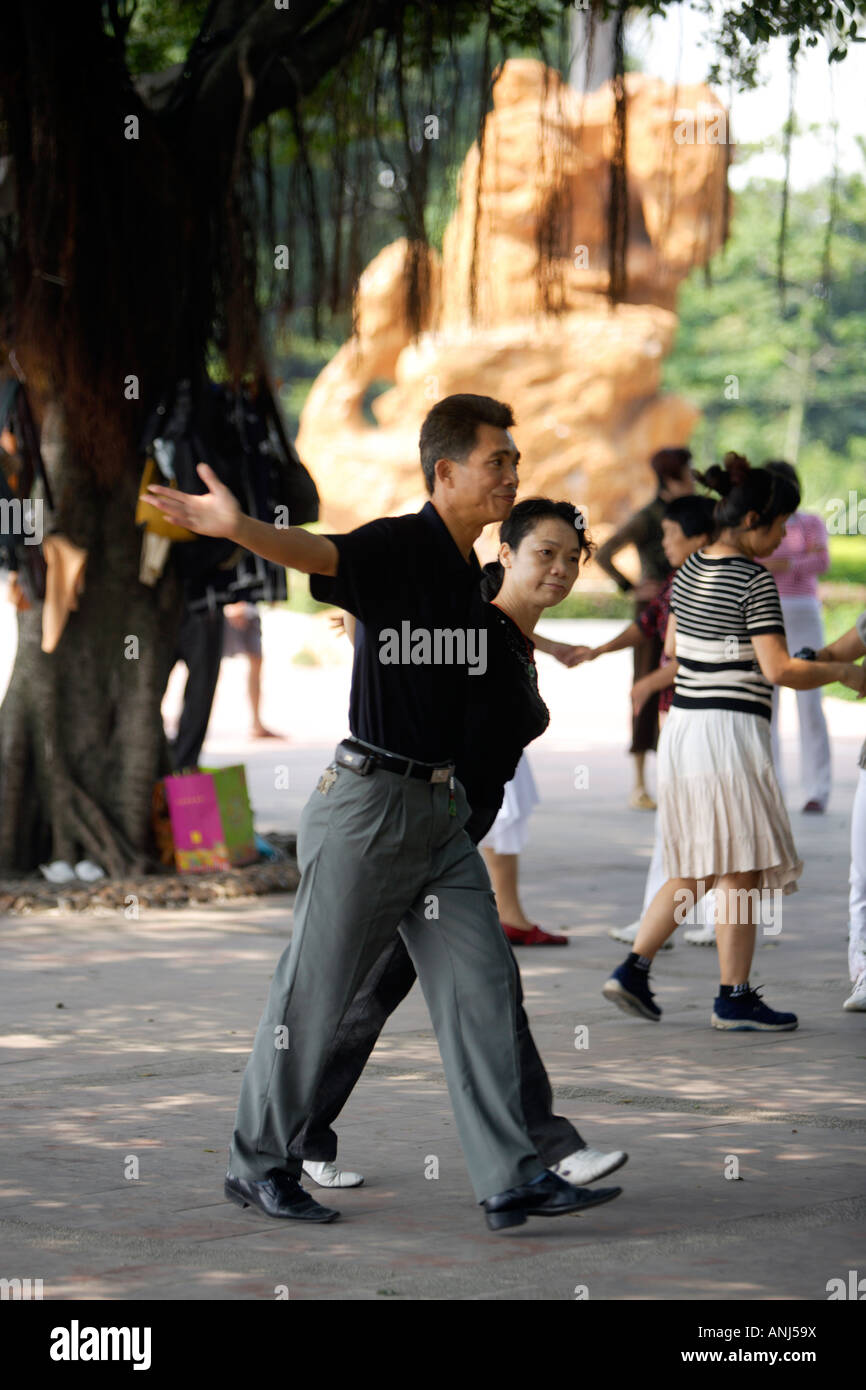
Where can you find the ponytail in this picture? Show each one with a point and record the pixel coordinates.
(743, 489)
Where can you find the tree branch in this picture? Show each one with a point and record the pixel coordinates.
(268, 36)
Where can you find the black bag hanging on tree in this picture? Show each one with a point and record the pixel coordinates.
(241, 436)
(19, 546)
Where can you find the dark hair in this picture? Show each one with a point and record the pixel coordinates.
(693, 515)
(670, 463)
(744, 489)
(784, 470)
(450, 429)
(523, 519)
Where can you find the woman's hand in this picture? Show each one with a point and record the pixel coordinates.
(576, 656)
(855, 678)
(212, 513)
(562, 652)
(337, 623)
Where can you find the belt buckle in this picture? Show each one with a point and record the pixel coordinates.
(440, 774)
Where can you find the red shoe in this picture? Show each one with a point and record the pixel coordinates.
(534, 937)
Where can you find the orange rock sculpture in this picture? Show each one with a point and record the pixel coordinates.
(583, 379)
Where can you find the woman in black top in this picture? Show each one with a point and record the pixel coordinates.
(521, 715)
(517, 588)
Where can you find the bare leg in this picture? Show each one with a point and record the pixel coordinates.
(737, 909)
(664, 914)
(639, 765)
(504, 873)
(640, 799)
(254, 686)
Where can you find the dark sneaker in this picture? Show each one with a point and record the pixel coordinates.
(629, 988)
(747, 1013)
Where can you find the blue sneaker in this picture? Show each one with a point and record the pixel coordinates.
(629, 989)
(747, 1013)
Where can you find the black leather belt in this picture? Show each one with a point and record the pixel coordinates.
(357, 757)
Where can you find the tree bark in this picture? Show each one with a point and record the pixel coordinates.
(81, 738)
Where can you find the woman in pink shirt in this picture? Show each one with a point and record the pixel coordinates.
(796, 565)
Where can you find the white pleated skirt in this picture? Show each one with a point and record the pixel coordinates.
(720, 807)
(510, 831)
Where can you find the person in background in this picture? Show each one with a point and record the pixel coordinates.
(796, 566)
(722, 818)
(199, 647)
(672, 468)
(850, 647)
(243, 636)
(687, 525)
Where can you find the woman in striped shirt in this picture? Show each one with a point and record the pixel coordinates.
(722, 818)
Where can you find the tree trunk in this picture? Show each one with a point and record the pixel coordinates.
(81, 738)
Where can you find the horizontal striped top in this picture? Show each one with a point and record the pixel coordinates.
(721, 603)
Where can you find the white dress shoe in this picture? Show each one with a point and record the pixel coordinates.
(856, 1001)
(628, 934)
(329, 1175)
(701, 936)
(585, 1165)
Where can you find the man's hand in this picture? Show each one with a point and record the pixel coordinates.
(212, 513)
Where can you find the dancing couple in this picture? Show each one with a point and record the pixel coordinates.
(386, 843)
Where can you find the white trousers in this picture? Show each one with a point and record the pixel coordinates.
(804, 628)
(510, 831)
(857, 880)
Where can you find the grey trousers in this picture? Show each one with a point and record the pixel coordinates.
(379, 854)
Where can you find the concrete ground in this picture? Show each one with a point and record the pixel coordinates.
(122, 1043)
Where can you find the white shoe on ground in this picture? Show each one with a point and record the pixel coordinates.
(856, 1001)
(628, 934)
(58, 871)
(87, 871)
(701, 936)
(585, 1165)
(329, 1175)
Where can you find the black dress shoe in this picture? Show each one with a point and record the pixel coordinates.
(552, 1196)
(278, 1195)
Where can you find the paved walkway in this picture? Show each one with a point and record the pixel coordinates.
(139, 1071)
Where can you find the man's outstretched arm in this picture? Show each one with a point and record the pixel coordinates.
(218, 513)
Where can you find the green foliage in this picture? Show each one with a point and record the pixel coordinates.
(588, 605)
(803, 355)
(840, 617)
(847, 560)
(160, 32)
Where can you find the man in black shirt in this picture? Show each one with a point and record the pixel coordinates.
(381, 842)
